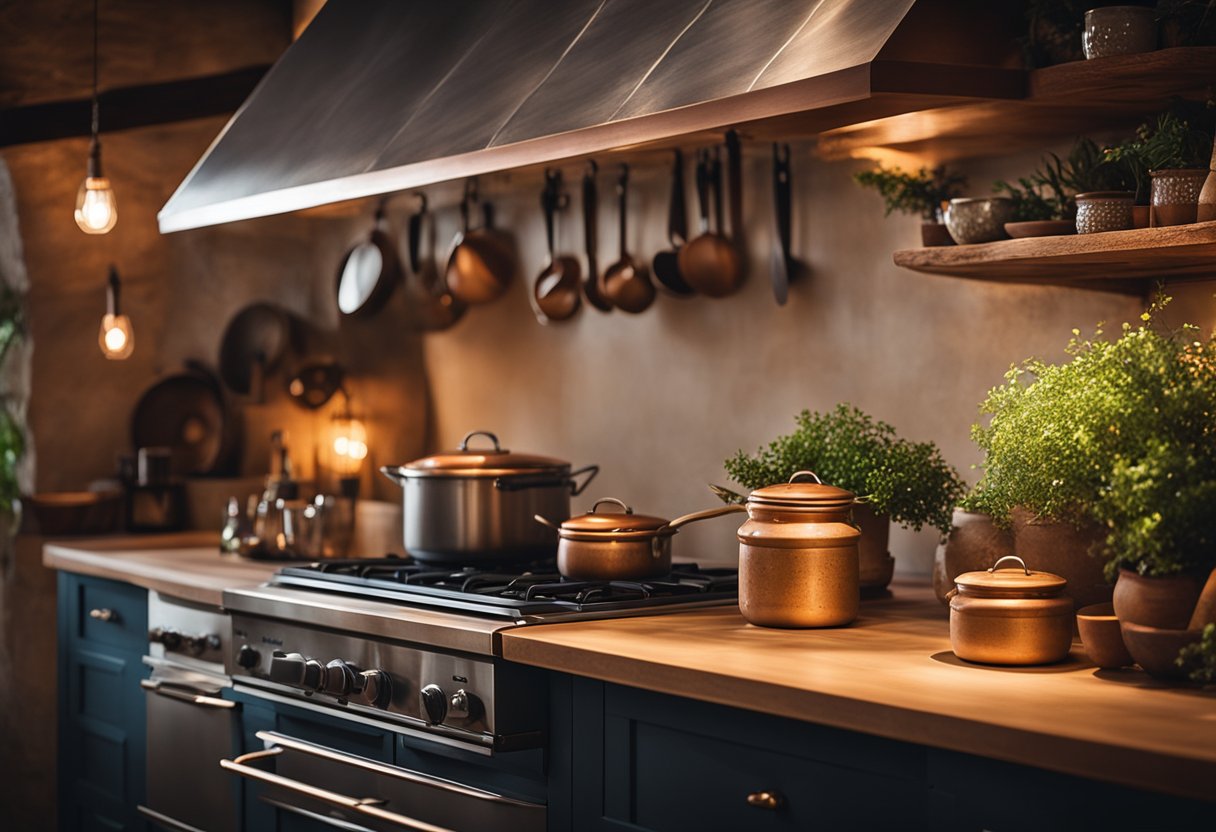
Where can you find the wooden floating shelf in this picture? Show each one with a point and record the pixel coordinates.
(1120, 261)
(1060, 101)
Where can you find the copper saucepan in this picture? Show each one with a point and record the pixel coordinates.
(619, 546)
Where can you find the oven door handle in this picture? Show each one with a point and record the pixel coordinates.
(293, 744)
(367, 807)
(183, 695)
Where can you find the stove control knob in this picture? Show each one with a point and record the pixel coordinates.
(247, 657)
(287, 668)
(313, 678)
(171, 639)
(377, 688)
(434, 704)
(339, 679)
(462, 705)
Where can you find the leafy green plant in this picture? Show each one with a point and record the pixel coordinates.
(910, 481)
(1199, 659)
(922, 192)
(1048, 193)
(1177, 139)
(12, 435)
(1121, 434)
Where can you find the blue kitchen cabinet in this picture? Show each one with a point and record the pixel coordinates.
(103, 634)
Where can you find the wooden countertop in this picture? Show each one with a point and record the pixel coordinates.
(892, 673)
(186, 565)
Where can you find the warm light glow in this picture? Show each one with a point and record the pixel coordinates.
(349, 444)
(96, 208)
(116, 338)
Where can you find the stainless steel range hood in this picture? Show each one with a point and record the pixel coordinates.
(382, 95)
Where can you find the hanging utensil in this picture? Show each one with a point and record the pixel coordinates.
(734, 181)
(709, 264)
(627, 282)
(556, 292)
(369, 272)
(480, 265)
(592, 286)
(783, 262)
(252, 345)
(666, 264)
(435, 307)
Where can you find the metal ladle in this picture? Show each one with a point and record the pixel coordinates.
(627, 282)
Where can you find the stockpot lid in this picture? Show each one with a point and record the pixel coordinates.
(1011, 582)
(617, 524)
(796, 494)
(481, 462)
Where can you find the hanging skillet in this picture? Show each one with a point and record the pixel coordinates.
(369, 272)
(433, 307)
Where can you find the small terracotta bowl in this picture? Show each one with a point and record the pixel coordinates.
(1156, 649)
(1102, 637)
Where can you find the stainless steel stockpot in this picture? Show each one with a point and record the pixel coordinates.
(475, 505)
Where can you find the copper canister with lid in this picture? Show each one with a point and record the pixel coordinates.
(1010, 616)
(798, 563)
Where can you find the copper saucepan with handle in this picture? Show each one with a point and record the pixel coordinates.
(619, 545)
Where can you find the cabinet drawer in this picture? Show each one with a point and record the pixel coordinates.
(106, 612)
(682, 780)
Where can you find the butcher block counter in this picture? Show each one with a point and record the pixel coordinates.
(186, 565)
(892, 674)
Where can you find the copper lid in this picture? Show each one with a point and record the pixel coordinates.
(1011, 582)
(802, 494)
(612, 522)
(481, 462)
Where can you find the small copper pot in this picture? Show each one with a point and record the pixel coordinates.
(619, 546)
(798, 564)
(1010, 616)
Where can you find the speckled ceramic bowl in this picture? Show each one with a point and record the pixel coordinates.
(978, 220)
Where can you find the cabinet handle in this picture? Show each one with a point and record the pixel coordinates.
(103, 614)
(771, 801)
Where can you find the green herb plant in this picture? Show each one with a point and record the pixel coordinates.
(1177, 139)
(1122, 434)
(1048, 193)
(12, 434)
(1199, 659)
(922, 192)
(845, 447)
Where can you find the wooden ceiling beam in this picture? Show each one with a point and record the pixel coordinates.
(126, 108)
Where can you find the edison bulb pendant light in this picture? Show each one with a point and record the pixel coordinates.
(96, 207)
(116, 338)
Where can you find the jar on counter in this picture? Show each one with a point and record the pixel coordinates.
(798, 560)
(1010, 616)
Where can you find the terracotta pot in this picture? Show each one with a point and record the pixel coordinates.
(1063, 549)
(1156, 602)
(933, 234)
(1205, 609)
(875, 564)
(974, 543)
(1156, 649)
(1103, 640)
(1140, 216)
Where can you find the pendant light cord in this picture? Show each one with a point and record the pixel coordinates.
(96, 119)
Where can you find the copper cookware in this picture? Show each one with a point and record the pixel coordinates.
(620, 545)
(1010, 616)
(710, 263)
(627, 281)
(798, 564)
(481, 262)
(557, 292)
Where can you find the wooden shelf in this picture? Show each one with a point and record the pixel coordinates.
(1060, 102)
(1121, 261)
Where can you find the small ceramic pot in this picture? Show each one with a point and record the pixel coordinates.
(875, 564)
(1175, 196)
(979, 220)
(798, 556)
(1156, 602)
(933, 234)
(1156, 649)
(1099, 211)
(1103, 640)
(1119, 30)
(1011, 616)
(974, 542)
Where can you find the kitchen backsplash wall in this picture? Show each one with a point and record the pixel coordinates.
(657, 400)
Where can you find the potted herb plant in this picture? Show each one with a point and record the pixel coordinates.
(974, 543)
(1166, 160)
(1045, 202)
(1110, 453)
(896, 479)
(923, 192)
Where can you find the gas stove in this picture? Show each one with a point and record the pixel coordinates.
(415, 648)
